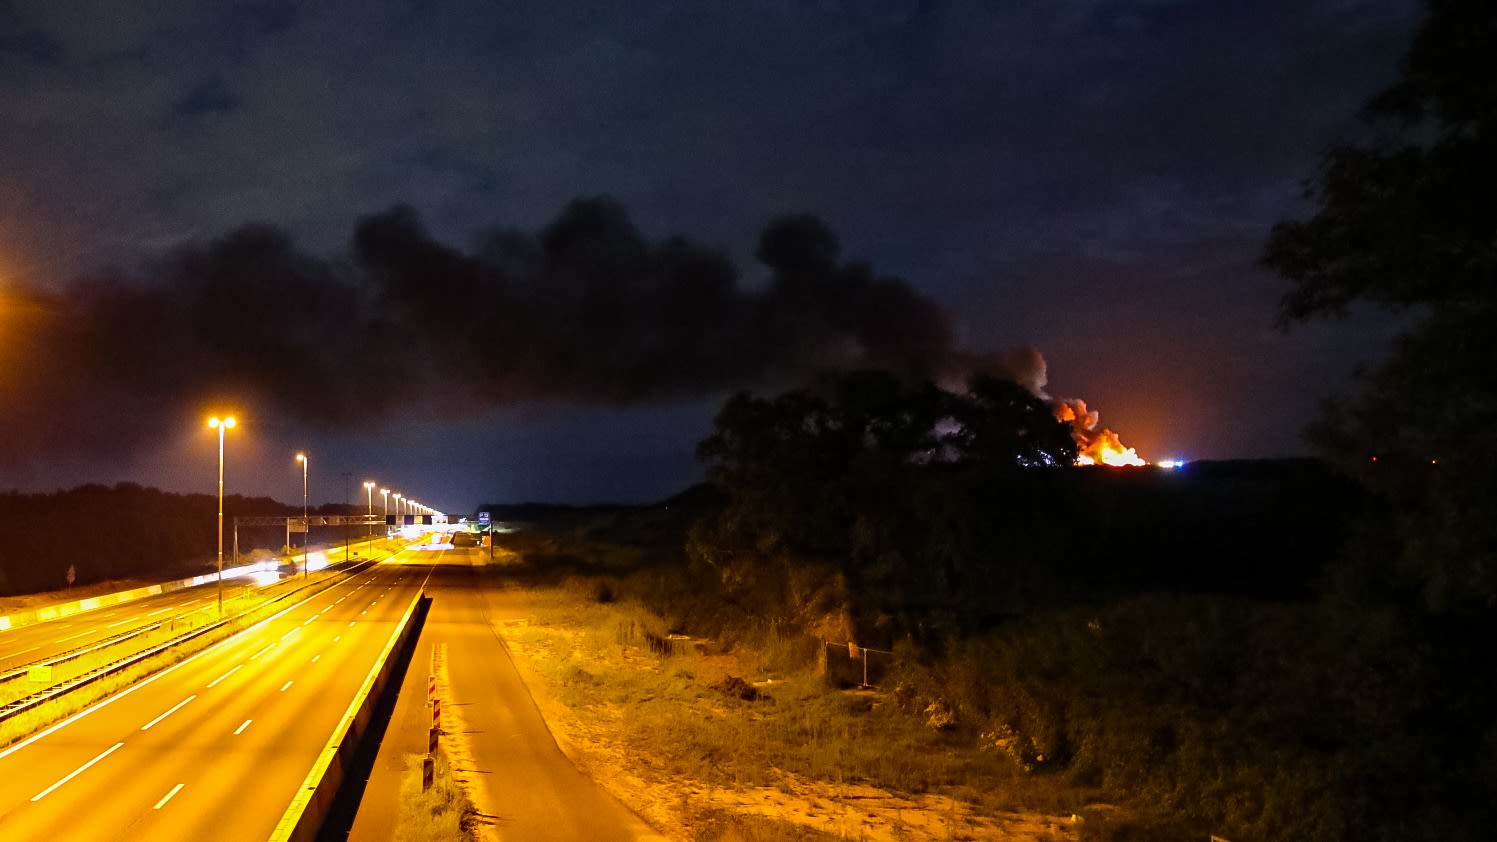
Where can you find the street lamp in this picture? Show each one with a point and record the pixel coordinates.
(369, 527)
(399, 521)
(220, 425)
(306, 527)
(385, 493)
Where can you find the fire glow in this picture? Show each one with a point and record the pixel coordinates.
(1094, 446)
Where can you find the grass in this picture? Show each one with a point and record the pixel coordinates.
(668, 708)
(440, 814)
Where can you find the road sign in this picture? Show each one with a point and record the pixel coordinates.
(483, 517)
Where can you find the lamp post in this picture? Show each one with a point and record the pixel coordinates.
(399, 521)
(306, 527)
(385, 493)
(221, 424)
(369, 526)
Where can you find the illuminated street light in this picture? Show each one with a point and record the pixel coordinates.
(220, 425)
(385, 493)
(369, 527)
(306, 527)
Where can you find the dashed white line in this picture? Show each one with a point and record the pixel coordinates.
(338, 638)
(178, 706)
(285, 686)
(215, 681)
(165, 798)
(160, 611)
(240, 729)
(351, 622)
(262, 651)
(315, 658)
(76, 772)
(120, 623)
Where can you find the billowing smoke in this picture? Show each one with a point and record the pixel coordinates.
(585, 311)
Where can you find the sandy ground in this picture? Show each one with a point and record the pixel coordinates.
(673, 805)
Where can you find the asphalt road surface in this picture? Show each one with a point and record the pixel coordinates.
(215, 747)
(525, 788)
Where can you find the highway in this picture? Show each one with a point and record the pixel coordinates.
(39, 641)
(214, 747)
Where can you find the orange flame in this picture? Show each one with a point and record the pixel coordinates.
(1108, 449)
(1095, 447)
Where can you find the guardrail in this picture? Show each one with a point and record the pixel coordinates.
(20, 706)
(53, 692)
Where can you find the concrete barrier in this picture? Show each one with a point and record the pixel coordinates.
(314, 801)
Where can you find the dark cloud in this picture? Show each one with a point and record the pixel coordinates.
(587, 311)
(211, 97)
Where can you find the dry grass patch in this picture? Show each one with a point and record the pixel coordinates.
(672, 732)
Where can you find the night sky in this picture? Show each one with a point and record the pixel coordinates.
(422, 302)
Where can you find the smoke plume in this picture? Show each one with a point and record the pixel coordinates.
(585, 311)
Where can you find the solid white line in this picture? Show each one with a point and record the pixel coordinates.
(76, 772)
(284, 686)
(240, 729)
(215, 681)
(177, 707)
(162, 803)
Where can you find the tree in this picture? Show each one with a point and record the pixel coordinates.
(1407, 221)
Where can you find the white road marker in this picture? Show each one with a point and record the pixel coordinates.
(215, 681)
(262, 651)
(240, 729)
(338, 638)
(165, 798)
(76, 772)
(315, 658)
(178, 706)
(351, 622)
(284, 686)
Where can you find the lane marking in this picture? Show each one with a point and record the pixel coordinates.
(215, 681)
(315, 658)
(351, 622)
(284, 686)
(262, 651)
(98, 706)
(178, 706)
(162, 803)
(240, 729)
(289, 633)
(362, 613)
(74, 637)
(162, 611)
(338, 638)
(76, 772)
(120, 623)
